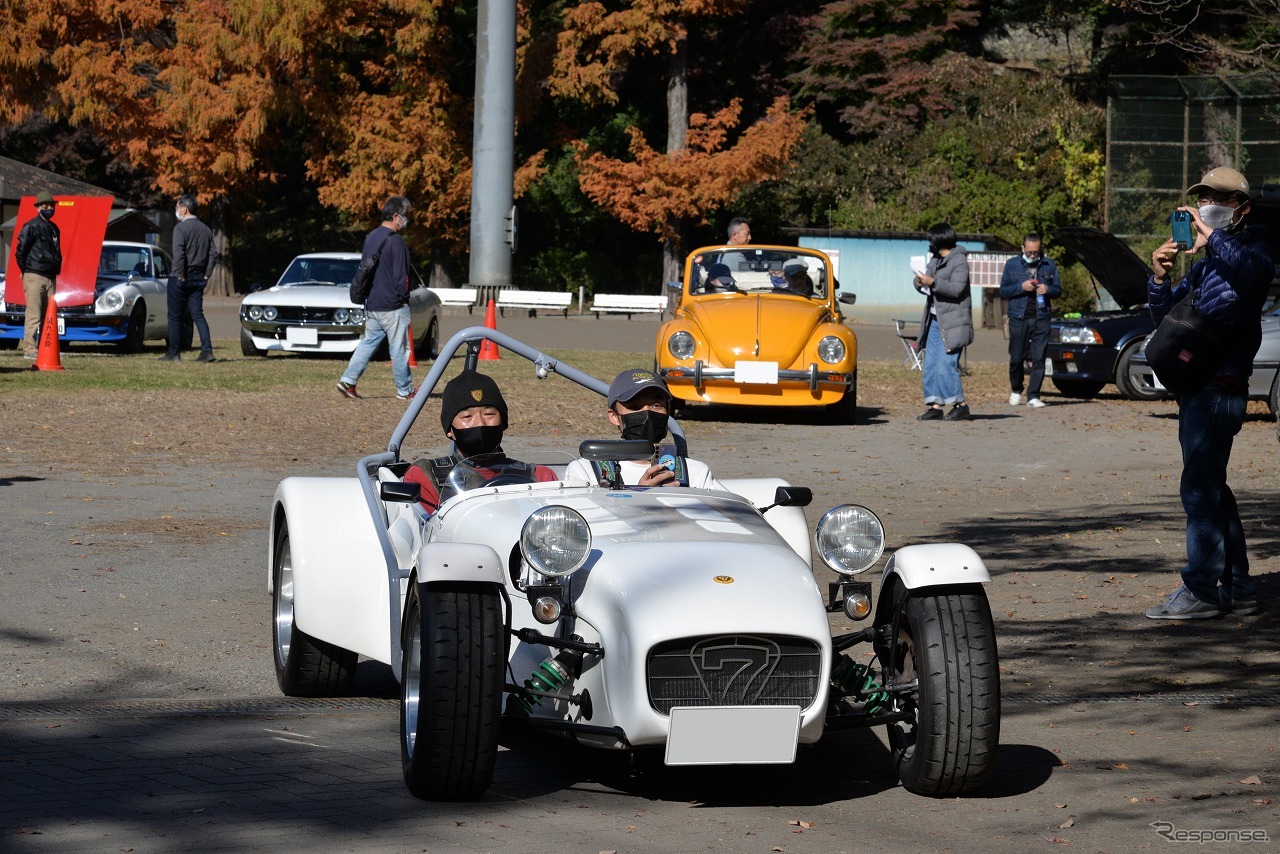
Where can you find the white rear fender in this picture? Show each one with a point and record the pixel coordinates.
(930, 565)
(459, 562)
(339, 574)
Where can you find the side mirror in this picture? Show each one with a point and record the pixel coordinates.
(790, 496)
(403, 492)
(255, 287)
(675, 286)
(847, 298)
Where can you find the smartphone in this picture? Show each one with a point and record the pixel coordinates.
(1181, 225)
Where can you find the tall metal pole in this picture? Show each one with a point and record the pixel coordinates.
(493, 166)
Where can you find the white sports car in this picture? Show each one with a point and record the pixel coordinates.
(308, 311)
(679, 620)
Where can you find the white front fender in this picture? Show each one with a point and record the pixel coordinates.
(459, 562)
(933, 564)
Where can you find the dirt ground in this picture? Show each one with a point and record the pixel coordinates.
(135, 548)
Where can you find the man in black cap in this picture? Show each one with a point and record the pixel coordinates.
(473, 414)
(39, 258)
(638, 406)
(1230, 285)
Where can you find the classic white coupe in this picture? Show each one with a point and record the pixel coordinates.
(308, 311)
(679, 620)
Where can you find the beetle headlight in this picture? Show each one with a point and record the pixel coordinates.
(270, 313)
(342, 315)
(555, 541)
(850, 539)
(1079, 335)
(680, 345)
(111, 301)
(831, 350)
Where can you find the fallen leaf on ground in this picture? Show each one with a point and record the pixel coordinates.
(1068, 823)
(1252, 780)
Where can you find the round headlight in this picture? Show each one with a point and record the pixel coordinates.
(555, 540)
(831, 350)
(111, 301)
(270, 313)
(357, 315)
(254, 312)
(680, 345)
(342, 315)
(850, 539)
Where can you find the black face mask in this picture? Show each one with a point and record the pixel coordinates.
(473, 441)
(645, 424)
(47, 213)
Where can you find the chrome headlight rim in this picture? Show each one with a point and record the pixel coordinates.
(555, 541)
(253, 312)
(681, 345)
(111, 301)
(342, 315)
(849, 539)
(832, 350)
(357, 315)
(270, 312)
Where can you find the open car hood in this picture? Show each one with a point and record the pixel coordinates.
(1115, 266)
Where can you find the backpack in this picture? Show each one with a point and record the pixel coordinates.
(362, 282)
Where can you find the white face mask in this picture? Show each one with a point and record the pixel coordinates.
(1217, 216)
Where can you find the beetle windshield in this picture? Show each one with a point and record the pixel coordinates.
(787, 272)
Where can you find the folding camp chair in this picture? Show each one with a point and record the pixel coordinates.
(910, 343)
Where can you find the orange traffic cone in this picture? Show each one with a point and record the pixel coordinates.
(47, 356)
(489, 350)
(413, 359)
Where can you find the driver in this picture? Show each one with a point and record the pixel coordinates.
(638, 406)
(794, 279)
(473, 414)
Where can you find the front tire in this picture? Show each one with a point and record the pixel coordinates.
(1130, 384)
(429, 346)
(305, 666)
(945, 638)
(247, 347)
(451, 690)
(845, 410)
(136, 331)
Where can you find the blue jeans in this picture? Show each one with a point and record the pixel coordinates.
(394, 327)
(187, 298)
(1207, 424)
(941, 370)
(1028, 338)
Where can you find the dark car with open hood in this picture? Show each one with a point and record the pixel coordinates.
(1094, 349)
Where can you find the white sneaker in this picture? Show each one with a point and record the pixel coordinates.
(1015, 399)
(1036, 403)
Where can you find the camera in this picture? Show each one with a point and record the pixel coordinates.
(1180, 222)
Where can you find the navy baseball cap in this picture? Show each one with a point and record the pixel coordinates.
(631, 382)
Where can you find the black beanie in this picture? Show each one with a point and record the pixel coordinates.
(468, 389)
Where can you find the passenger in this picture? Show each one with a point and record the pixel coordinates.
(638, 405)
(719, 278)
(474, 415)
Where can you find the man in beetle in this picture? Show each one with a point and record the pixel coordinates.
(39, 259)
(638, 406)
(473, 414)
(1231, 285)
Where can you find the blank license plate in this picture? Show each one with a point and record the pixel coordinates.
(733, 735)
(757, 373)
(307, 337)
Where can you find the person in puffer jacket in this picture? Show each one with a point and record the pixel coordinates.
(1231, 283)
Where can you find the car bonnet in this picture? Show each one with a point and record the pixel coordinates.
(1116, 267)
(779, 326)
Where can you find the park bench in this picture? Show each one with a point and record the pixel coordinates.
(534, 300)
(629, 304)
(464, 297)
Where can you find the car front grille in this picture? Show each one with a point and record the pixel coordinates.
(734, 670)
(302, 314)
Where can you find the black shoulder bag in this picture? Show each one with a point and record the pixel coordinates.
(1188, 347)
(362, 282)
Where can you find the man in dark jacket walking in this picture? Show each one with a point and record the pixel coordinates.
(1030, 284)
(1231, 284)
(39, 258)
(194, 256)
(386, 310)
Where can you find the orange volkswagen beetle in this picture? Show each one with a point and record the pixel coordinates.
(760, 326)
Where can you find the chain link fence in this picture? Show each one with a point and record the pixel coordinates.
(1163, 133)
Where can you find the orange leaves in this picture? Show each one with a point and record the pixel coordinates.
(652, 188)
